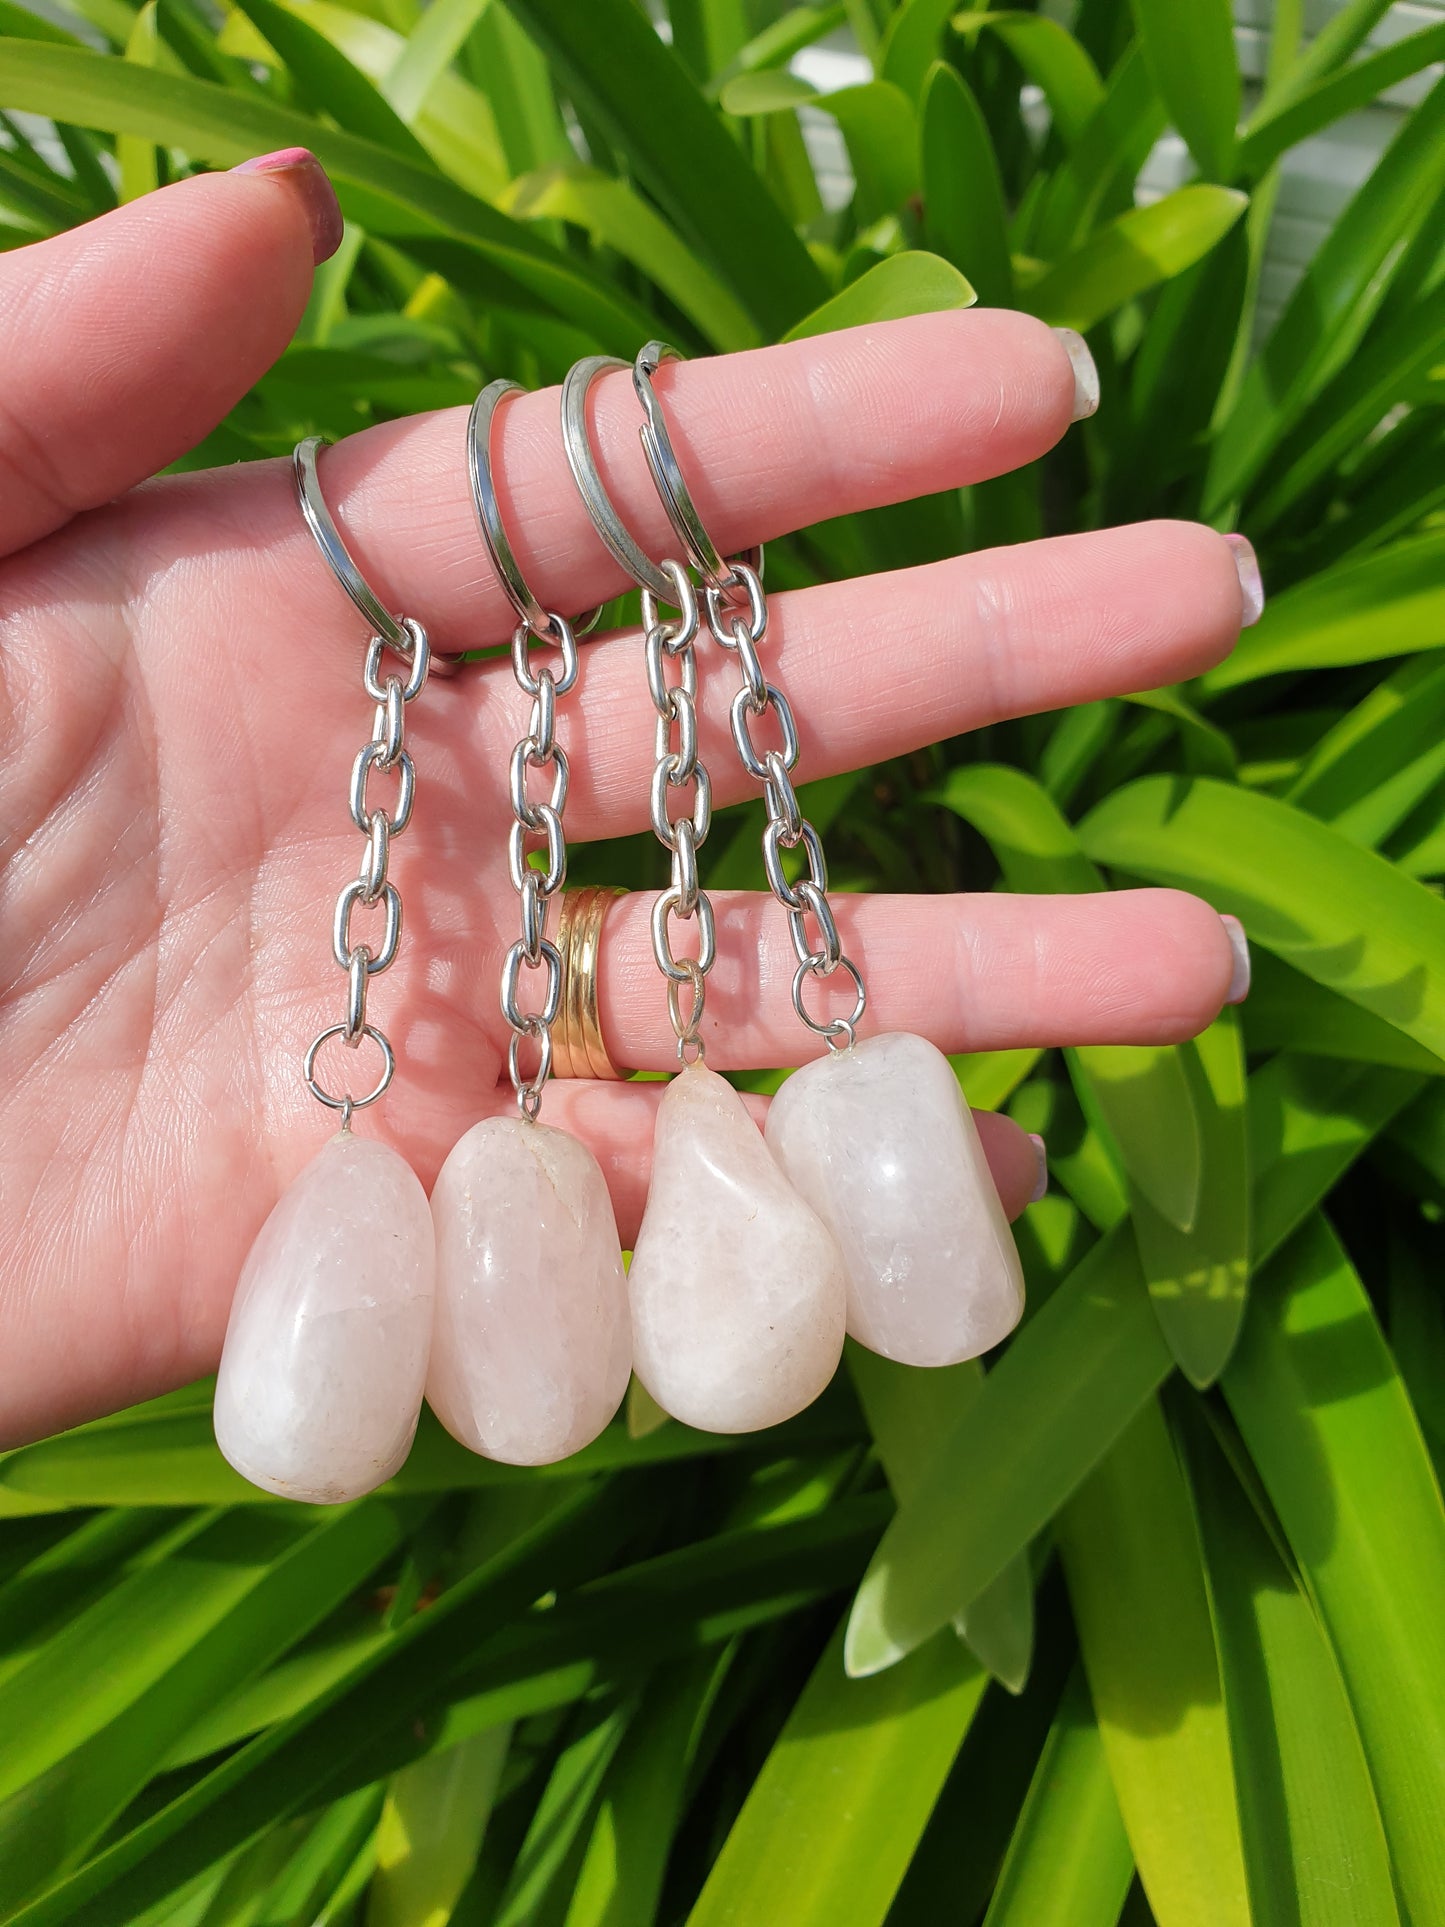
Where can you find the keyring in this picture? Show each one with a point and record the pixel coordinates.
(661, 460)
(718, 574)
(580, 459)
(489, 516)
(339, 559)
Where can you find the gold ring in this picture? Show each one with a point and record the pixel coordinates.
(577, 1046)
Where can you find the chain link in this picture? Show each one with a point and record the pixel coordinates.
(739, 626)
(679, 768)
(537, 829)
(364, 958)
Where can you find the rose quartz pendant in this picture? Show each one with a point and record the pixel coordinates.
(325, 1358)
(737, 1289)
(532, 1348)
(880, 1142)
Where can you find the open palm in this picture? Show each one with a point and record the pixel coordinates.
(180, 703)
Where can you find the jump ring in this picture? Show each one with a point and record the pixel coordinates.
(832, 1027)
(348, 1104)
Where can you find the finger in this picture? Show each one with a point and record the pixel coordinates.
(615, 1122)
(770, 441)
(881, 666)
(126, 340)
(986, 972)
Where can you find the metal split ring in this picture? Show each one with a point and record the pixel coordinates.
(397, 632)
(718, 574)
(542, 623)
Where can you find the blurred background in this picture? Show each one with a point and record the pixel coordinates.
(1143, 1624)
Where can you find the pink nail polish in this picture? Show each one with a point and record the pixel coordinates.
(1041, 1159)
(1239, 976)
(307, 178)
(1251, 582)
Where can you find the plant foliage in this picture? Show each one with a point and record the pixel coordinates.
(1145, 1623)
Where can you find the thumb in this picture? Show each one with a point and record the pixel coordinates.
(126, 340)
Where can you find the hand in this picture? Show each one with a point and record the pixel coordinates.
(180, 704)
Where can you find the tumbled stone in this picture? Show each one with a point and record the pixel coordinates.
(532, 1347)
(880, 1142)
(321, 1375)
(736, 1287)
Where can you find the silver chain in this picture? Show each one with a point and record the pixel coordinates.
(679, 767)
(363, 958)
(740, 629)
(534, 950)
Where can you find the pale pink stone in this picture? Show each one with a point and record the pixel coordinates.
(325, 1357)
(532, 1348)
(736, 1287)
(880, 1142)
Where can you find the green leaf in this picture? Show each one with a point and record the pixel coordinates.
(437, 39)
(1131, 1555)
(875, 118)
(1333, 304)
(220, 1609)
(431, 1829)
(1390, 603)
(1314, 1849)
(555, 1838)
(1068, 1863)
(1268, 136)
(136, 158)
(1190, 51)
(909, 283)
(1309, 1119)
(964, 216)
(1286, 1011)
(326, 79)
(1132, 254)
(1140, 1100)
(619, 1883)
(613, 64)
(775, 46)
(298, 1761)
(1381, 759)
(910, 1412)
(1328, 1424)
(381, 189)
(1033, 841)
(880, 129)
(619, 218)
(910, 44)
(831, 1821)
(1083, 1365)
(1393, 358)
(1100, 171)
(1198, 1278)
(1051, 58)
(1062, 1393)
(1339, 913)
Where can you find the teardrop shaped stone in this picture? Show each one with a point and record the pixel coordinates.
(532, 1347)
(736, 1287)
(325, 1358)
(881, 1143)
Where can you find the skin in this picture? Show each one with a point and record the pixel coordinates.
(180, 703)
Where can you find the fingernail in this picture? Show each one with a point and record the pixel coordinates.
(1041, 1159)
(1239, 976)
(305, 175)
(1086, 373)
(1251, 582)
